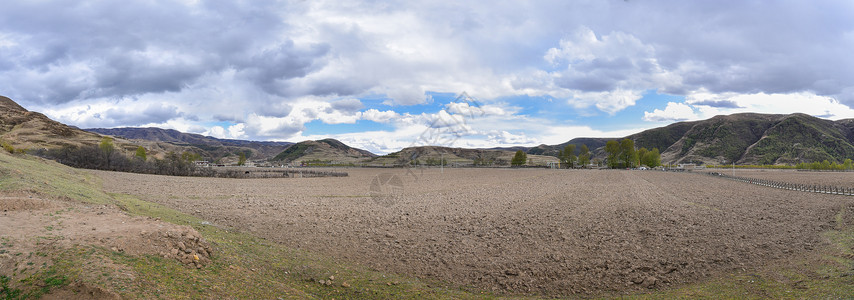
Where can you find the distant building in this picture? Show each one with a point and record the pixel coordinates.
(690, 167)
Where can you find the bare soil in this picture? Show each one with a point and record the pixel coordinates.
(549, 232)
(32, 226)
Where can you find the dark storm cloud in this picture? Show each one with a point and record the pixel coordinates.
(276, 110)
(717, 103)
(283, 62)
(119, 49)
(599, 74)
(155, 113)
(226, 118)
(348, 105)
(750, 47)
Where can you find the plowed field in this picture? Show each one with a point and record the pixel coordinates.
(551, 232)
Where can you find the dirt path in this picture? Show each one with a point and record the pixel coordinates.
(553, 232)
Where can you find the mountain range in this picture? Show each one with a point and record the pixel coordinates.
(751, 138)
(212, 147)
(746, 138)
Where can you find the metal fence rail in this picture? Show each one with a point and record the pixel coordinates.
(810, 188)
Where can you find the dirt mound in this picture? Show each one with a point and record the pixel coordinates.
(117, 231)
(23, 201)
(30, 223)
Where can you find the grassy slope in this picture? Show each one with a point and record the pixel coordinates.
(817, 140)
(245, 266)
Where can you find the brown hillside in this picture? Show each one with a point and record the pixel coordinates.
(25, 129)
(455, 156)
(327, 150)
(29, 130)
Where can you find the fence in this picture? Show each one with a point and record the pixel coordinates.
(810, 188)
(276, 173)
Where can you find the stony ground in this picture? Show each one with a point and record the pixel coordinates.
(552, 232)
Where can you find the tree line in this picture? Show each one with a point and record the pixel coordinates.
(570, 160)
(622, 154)
(104, 156)
(848, 164)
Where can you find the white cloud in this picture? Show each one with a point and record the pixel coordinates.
(216, 131)
(608, 72)
(673, 112)
(506, 138)
(236, 131)
(379, 116)
(477, 110)
(460, 129)
(272, 127)
(233, 132)
(703, 105)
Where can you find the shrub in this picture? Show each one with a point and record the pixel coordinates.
(6, 146)
(519, 159)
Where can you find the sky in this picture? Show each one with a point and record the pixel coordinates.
(384, 75)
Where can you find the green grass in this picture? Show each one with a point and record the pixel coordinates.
(7, 292)
(65, 267)
(28, 173)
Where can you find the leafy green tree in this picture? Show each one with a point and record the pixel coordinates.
(242, 160)
(140, 153)
(651, 158)
(567, 156)
(519, 158)
(583, 156)
(190, 157)
(107, 149)
(848, 164)
(612, 148)
(107, 145)
(641, 153)
(628, 154)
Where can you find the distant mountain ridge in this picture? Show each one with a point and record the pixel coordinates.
(746, 138)
(430, 155)
(326, 150)
(751, 138)
(262, 149)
